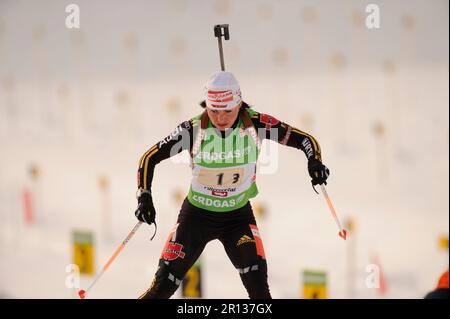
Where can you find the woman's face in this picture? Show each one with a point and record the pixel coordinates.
(223, 119)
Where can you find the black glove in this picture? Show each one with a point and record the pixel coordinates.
(146, 211)
(318, 172)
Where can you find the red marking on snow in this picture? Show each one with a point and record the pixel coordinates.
(343, 234)
(28, 207)
(382, 290)
(82, 294)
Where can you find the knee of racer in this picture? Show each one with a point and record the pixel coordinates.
(259, 266)
(164, 284)
(254, 278)
(165, 272)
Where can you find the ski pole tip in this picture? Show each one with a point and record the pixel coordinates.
(82, 294)
(343, 234)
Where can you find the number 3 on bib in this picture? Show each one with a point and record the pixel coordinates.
(221, 178)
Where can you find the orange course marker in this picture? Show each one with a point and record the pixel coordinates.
(28, 206)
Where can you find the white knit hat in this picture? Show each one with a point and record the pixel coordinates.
(222, 91)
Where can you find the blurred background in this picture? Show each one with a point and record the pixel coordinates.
(79, 106)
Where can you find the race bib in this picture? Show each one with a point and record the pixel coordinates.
(221, 178)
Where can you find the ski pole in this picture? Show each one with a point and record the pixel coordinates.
(342, 231)
(82, 293)
(219, 34)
